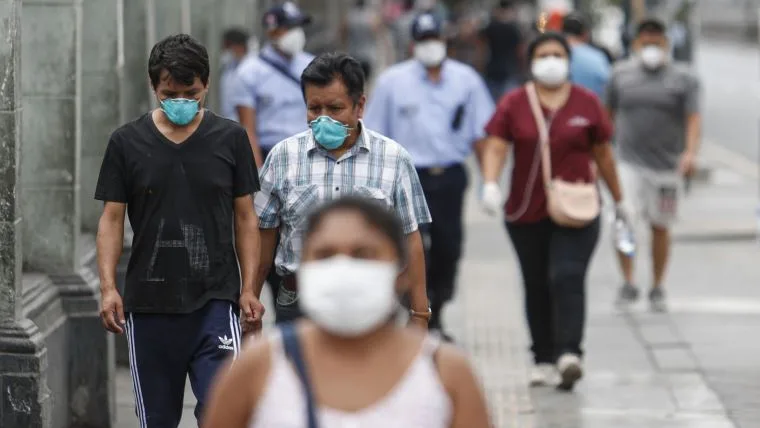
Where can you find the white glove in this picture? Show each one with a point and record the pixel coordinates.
(492, 200)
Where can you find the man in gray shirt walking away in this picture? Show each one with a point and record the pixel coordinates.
(655, 104)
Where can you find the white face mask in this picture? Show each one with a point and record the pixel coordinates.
(346, 296)
(430, 53)
(293, 41)
(227, 58)
(652, 56)
(550, 70)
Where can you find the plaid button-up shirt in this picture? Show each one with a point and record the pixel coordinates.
(299, 174)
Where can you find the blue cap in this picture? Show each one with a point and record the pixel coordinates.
(427, 25)
(285, 15)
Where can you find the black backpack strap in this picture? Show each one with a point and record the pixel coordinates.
(285, 72)
(292, 349)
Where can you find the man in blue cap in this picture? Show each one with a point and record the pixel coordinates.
(268, 95)
(268, 88)
(437, 108)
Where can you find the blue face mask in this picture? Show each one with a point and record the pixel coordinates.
(180, 111)
(328, 132)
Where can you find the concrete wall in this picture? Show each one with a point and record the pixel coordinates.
(84, 68)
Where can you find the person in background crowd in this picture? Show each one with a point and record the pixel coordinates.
(403, 25)
(588, 65)
(554, 257)
(353, 252)
(360, 33)
(235, 45)
(186, 176)
(462, 38)
(402, 30)
(338, 155)
(268, 91)
(503, 41)
(435, 107)
(656, 106)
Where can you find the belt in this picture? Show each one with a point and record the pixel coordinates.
(438, 170)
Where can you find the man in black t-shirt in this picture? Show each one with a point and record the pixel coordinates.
(504, 40)
(186, 177)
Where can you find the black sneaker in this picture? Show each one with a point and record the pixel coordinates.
(628, 294)
(657, 300)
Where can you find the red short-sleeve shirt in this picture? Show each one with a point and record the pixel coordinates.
(575, 128)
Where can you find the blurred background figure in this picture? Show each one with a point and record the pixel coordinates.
(554, 258)
(501, 42)
(361, 31)
(235, 43)
(402, 27)
(437, 108)
(655, 102)
(402, 31)
(589, 67)
(268, 92)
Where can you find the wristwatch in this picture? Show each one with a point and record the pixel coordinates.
(422, 315)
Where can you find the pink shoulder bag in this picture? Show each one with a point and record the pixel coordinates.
(569, 204)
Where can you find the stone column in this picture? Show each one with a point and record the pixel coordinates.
(100, 97)
(51, 177)
(51, 131)
(135, 99)
(23, 357)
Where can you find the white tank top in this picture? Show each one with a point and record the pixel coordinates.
(419, 399)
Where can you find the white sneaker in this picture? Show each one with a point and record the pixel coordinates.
(570, 371)
(542, 375)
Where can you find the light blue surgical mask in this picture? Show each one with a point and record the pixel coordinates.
(328, 132)
(180, 111)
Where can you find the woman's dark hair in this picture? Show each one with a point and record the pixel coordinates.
(376, 214)
(327, 67)
(180, 55)
(548, 36)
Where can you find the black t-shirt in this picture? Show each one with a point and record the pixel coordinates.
(503, 39)
(180, 202)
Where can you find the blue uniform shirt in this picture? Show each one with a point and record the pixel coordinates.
(589, 68)
(420, 114)
(278, 101)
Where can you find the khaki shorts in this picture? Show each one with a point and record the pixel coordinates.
(648, 195)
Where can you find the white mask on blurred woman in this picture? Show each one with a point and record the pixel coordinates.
(550, 71)
(346, 296)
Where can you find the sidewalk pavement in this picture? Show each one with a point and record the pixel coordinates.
(643, 370)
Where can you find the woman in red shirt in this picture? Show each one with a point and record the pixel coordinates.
(553, 258)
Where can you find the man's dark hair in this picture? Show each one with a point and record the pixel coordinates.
(506, 4)
(376, 214)
(327, 67)
(574, 24)
(546, 37)
(180, 55)
(235, 37)
(651, 25)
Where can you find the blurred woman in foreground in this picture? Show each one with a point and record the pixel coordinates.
(349, 364)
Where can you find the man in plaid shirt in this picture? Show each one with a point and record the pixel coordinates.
(337, 156)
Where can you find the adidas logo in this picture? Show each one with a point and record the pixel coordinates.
(226, 343)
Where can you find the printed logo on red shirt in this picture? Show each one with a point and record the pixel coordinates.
(578, 122)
